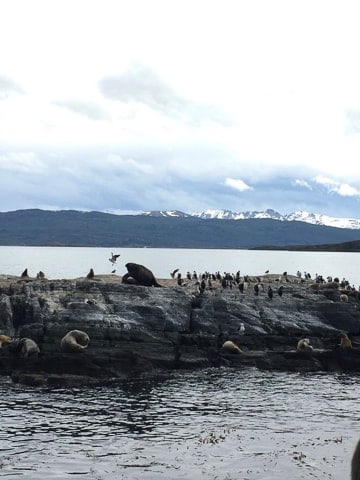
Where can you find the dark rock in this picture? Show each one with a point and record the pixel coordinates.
(140, 330)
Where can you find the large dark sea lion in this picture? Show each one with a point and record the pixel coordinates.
(75, 341)
(141, 275)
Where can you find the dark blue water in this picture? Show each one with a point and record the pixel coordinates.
(214, 424)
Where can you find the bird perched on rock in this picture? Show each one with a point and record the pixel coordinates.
(270, 293)
(280, 290)
(256, 289)
(90, 274)
(113, 258)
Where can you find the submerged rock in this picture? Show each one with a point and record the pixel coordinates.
(139, 330)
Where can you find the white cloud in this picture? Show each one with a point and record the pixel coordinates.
(140, 98)
(9, 87)
(237, 184)
(89, 109)
(302, 183)
(333, 186)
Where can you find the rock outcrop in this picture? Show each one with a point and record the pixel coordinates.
(137, 330)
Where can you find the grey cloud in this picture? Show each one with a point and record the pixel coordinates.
(9, 87)
(142, 84)
(88, 109)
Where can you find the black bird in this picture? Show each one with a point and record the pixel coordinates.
(256, 289)
(202, 285)
(280, 290)
(241, 287)
(172, 274)
(267, 271)
(270, 293)
(113, 258)
(90, 274)
(113, 271)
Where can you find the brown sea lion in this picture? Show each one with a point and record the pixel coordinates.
(27, 347)
(345, 341)
(303, 345)
(142, 275)
(231, 347)
(4, 340)
(75, 341)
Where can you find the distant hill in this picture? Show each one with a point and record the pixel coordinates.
(98, 229)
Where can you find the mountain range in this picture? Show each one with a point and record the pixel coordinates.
(169, 229)
(298, 216)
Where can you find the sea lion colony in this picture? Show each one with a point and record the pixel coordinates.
(76, 340)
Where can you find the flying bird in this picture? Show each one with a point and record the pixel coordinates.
(113, 258)
(174, 272)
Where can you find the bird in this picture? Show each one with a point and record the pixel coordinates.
(113, 271)
(280, 290)
(90, 274)
(256, 289)
(113, 258)
(241, 287)
(270, 293)
(242, 329)
(172, 274)
(267, 271)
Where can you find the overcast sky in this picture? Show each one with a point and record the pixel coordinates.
(134, 105)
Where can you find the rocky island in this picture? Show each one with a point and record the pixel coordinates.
(137, 330)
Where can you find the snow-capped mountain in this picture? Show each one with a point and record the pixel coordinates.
(165, 213)
(298, 216)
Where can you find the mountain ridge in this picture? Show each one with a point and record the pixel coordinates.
(297, 216)
(35, 227)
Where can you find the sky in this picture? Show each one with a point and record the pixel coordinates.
(126, 106)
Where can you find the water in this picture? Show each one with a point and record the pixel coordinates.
(73, 262)
(215, 424)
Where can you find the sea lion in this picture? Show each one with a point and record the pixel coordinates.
(344, 298)
(231, 347)
(345, 341)
(4, 339)
(303, 345)
(142, 275)
(75, 341)
(355, 463)
(26, 347)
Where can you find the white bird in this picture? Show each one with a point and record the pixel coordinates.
(242, 329)
(113, 258)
